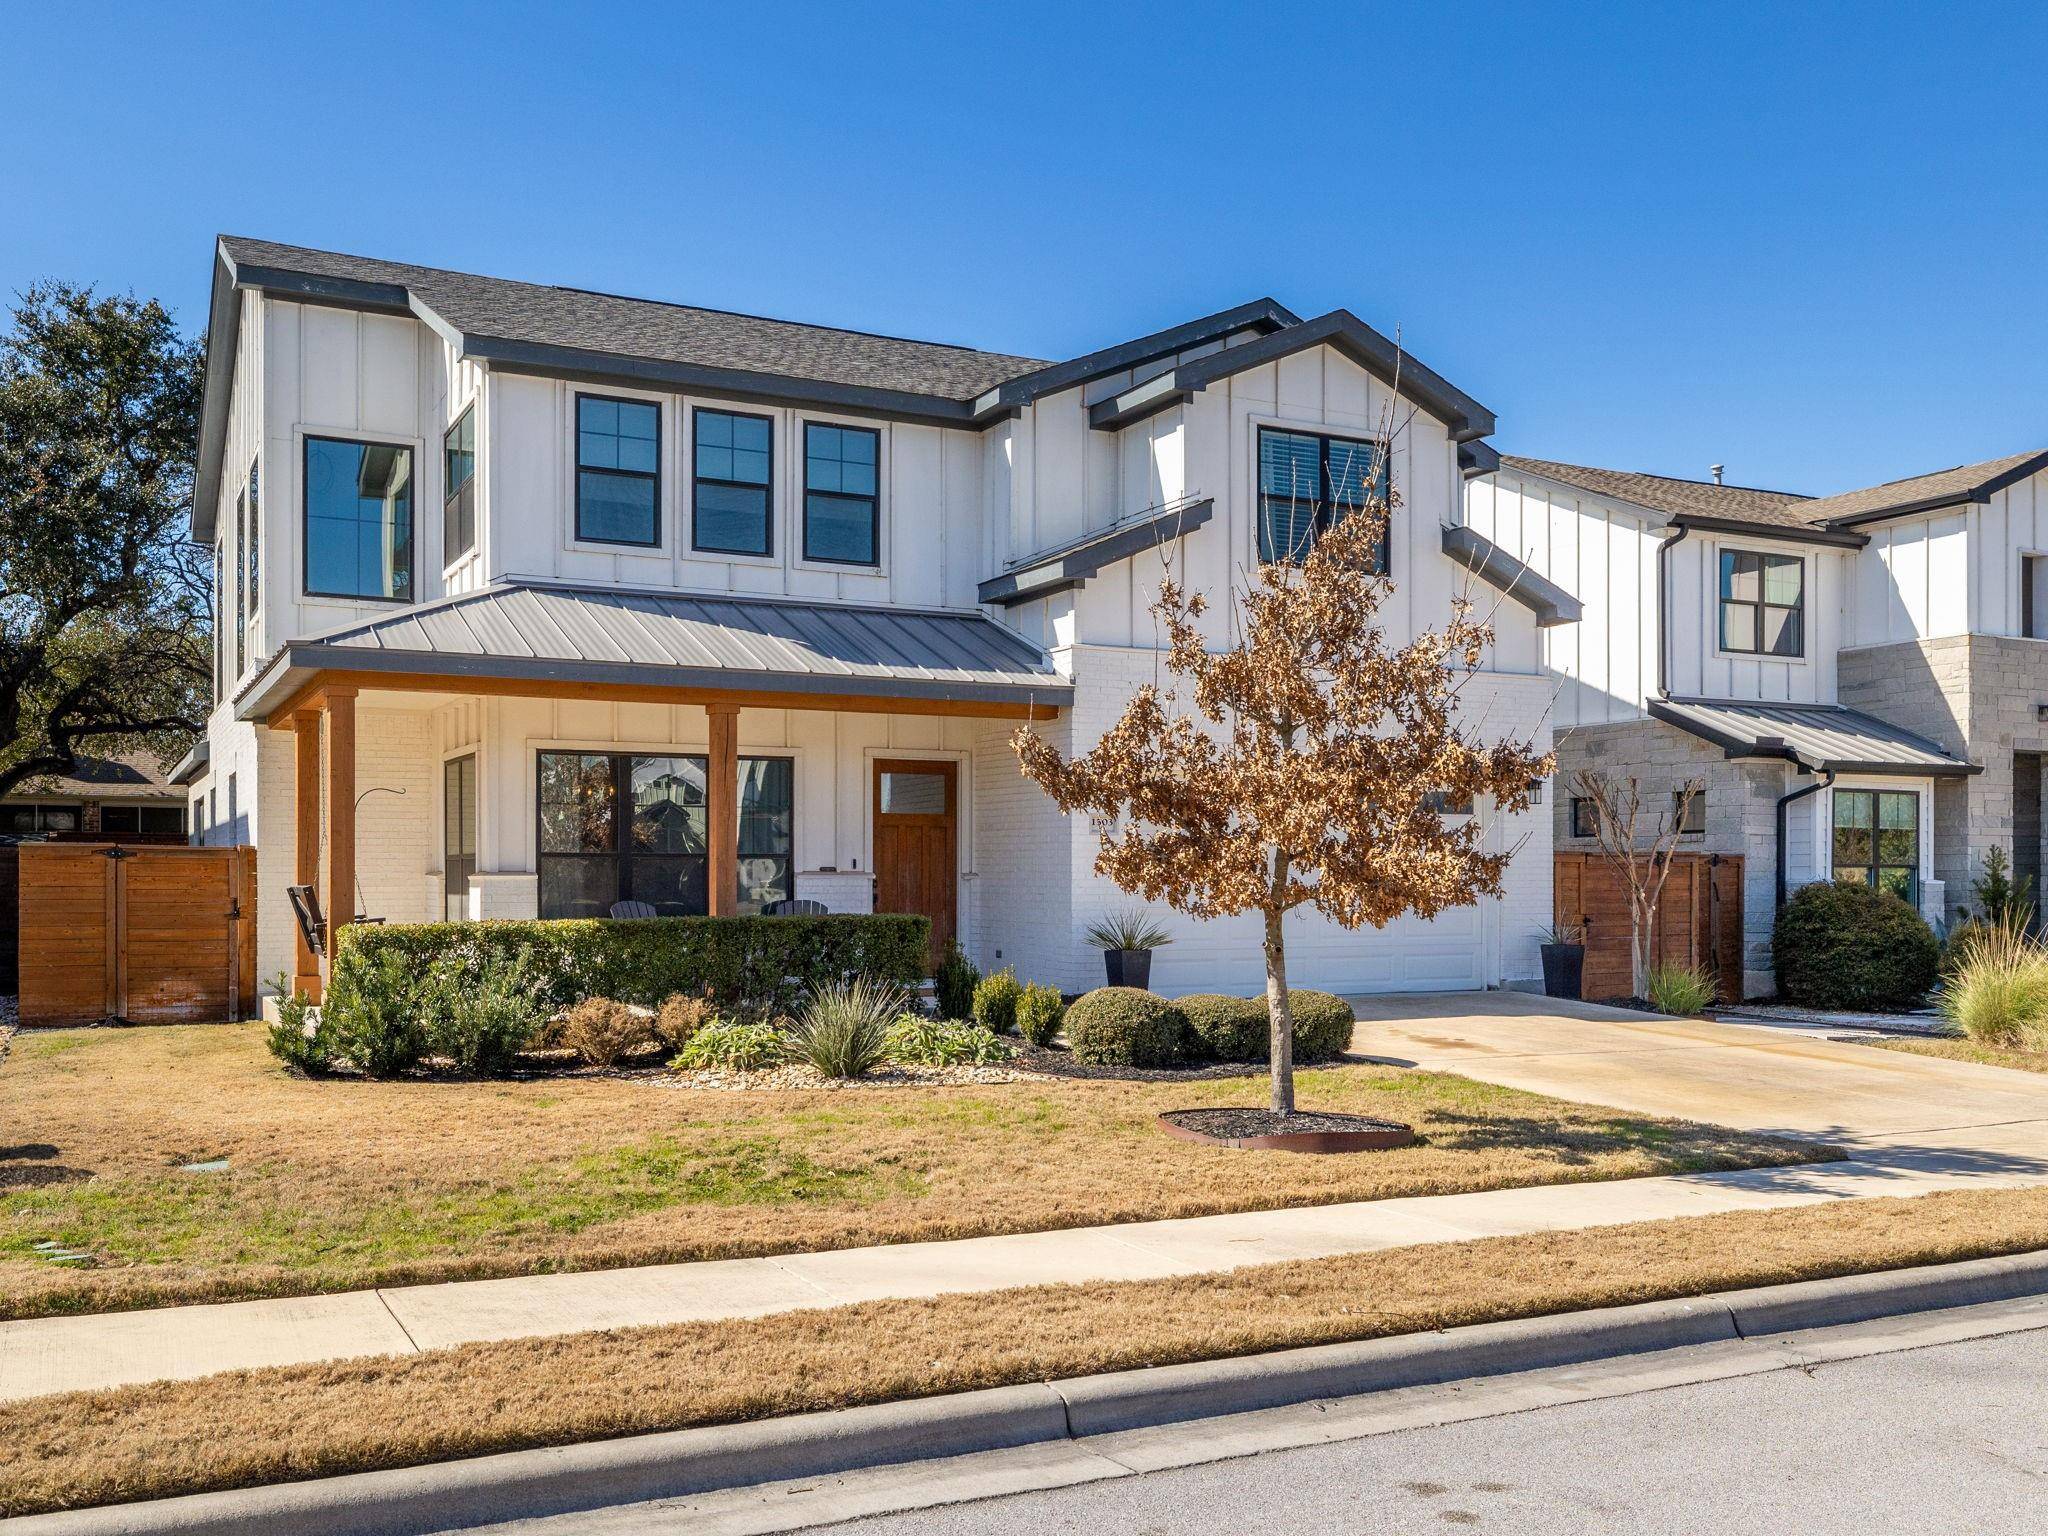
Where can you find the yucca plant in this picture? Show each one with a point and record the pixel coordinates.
(843, 1030)
(1997, 989)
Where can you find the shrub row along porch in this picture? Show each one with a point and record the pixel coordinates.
(570, 771)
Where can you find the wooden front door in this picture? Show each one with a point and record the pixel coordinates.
(917, 844)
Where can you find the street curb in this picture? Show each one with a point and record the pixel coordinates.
(567, 1479)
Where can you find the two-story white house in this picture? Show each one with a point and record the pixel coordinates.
(533, 601)
(1858, 681)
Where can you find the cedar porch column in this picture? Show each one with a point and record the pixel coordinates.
(306, 824)
(722, 819)
(340, 900)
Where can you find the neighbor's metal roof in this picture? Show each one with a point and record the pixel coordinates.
(570, 635)
(1818, 737)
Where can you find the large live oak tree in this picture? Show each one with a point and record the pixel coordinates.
(105, 638)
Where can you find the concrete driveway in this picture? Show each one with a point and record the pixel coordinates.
(1754, 1077)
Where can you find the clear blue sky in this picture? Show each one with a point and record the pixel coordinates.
(1806, 242)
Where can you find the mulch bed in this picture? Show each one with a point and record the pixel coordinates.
(1302, 1131)
(1052, 1061)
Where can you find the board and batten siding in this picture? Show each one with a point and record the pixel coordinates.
(1697, 664)
(1952, 572)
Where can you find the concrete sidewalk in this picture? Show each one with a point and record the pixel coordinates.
(43, 1355)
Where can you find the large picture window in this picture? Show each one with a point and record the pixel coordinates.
(733, 461)
(842, 502)
(358, 519)
(633, 827)
(1877, 840)
(1308, 481)
(1763, 603)
(458, 488)
(618, 471)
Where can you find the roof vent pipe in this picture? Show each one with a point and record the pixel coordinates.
(1715, 471)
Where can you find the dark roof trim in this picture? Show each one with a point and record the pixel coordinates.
(298, 662)
(1493, 565)
(190, 766)
(1466, 417)
(1063, 569)
(1263, 314)
(1477, 458)
(1771, 745)
(1978, 494)
(1817, 534)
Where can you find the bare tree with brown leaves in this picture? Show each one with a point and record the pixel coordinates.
(1308, 772)
(1637, 843)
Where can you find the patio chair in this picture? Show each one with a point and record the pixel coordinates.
(623, 909)
(799, 906)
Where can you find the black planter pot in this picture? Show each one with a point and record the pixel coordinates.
(1128, 967)
(1564, 970)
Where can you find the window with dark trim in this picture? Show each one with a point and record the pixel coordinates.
(842, 498)
(1763, 603)
(1877, 840)
(1691, 815)
(618, 471)
(1585, 820)
(358, 519)
(733, 468)
(220, 597)
(252, 544)
(458, 488)
(242, 585)
(632, 827)
(1447, 802)
(458, 834)
(1307, 481)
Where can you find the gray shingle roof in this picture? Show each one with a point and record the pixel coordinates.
(658, 331)
(574, 635)
(123, 776)
(1965, 482)
(1816, 736)
(1673, 497)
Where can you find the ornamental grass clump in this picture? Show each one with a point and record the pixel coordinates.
(843, 1030)
(1682, 990)
(1997, 993)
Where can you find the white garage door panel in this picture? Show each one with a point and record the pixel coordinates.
(1410, 955)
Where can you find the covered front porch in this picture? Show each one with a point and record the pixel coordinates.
(782, 753)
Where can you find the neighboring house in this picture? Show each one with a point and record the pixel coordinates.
(1859, 681)
(127, 795)
(534, 599)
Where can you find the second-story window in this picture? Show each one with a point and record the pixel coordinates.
(842, 505)
(1763, 603)
(734, 463)
(242, 584)
(1307, 481)
(358, 519)
(618, 474)
(252, 546)
(458, 506)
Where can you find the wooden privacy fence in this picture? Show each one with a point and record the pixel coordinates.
(145, 935)
(1699, 919)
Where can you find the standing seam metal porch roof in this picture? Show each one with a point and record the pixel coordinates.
(1817, 737)
(569, 635)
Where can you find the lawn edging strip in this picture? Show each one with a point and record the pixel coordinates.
(599, 1474)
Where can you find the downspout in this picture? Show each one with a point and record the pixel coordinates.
(1824, 780)
(1678, 532)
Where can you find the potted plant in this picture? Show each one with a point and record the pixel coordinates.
(1564, 960)
(1127, 939)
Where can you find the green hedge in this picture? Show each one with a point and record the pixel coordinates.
(1237, 1028)
(1849, 946)
(744, 964)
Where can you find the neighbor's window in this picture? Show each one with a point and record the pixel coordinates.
(458, 492)
(1763, 603)
(1308, 481)
(1447, 803)
(733, 462)
(1877, 840)
(842, 506)
(1585, 820)
(358, 519)
(1691, 815)
(618, 474)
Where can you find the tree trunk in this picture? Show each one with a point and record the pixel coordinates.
(1279, 1016)
(1643, 947)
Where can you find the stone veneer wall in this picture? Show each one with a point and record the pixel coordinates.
(1742, 813)
(1980, 697)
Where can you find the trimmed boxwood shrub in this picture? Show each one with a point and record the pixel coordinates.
(1322, 1025)
(1852, 946)
(995, 1001)
(1226, 1028)
(751, 965)
(1039, 1011)
(1127, 1027)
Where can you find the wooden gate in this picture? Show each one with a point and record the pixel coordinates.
(145, 935)
(1699, 919)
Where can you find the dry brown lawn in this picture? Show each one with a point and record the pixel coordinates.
(1966, 1050)
(312, 1421)
(342, 1184)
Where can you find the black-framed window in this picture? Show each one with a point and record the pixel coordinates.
(1447, 802)
(458, 834)
(618, 471)
(842, 496)
(1877, 840)
(1763, 603)
(358, 519)
(458, 488)
(1308, 480)
(633, 827)
(1690, 814)
(242, 584)
(732, 462)
(1585, 818)
(220, 630)
(252, 543)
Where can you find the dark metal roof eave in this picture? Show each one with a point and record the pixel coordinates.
(1737, 747)
(1062, 570)
(299, 663)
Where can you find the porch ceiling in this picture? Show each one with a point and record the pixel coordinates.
(547, 639)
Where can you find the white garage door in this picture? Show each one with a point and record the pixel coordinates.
(1445, 953)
